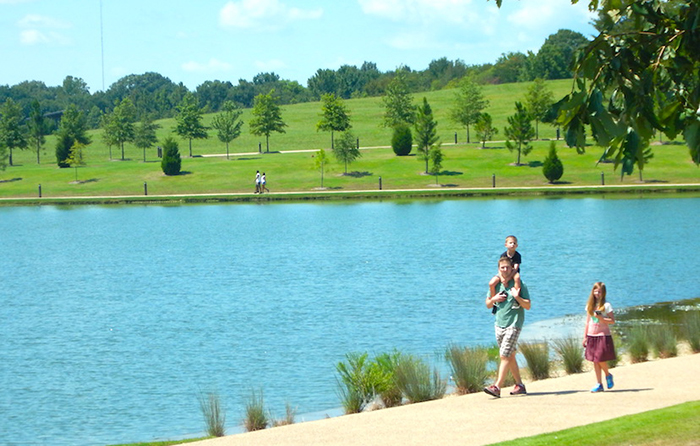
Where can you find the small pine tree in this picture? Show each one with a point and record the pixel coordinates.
(402, 140)
(552, 168)
(171, 162)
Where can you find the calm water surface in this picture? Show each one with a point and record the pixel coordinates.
(113, 320)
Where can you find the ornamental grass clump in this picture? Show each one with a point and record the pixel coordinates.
(570, 352)
(417, 381)
(255, 415)
(663, 341)
(214, 414)
(358, 382)
(537, 357)
(638, 344)
(386, 388)
(290, 415)
(691, 330)
(469, 368)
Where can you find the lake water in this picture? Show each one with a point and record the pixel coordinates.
(114, 320)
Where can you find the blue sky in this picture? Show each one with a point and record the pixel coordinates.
(195, 41)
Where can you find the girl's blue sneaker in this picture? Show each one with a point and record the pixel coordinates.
(598, 388)
(609, 381)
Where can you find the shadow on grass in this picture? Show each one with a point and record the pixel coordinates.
(247, 158)
(488, 147)
(535, 164)
(11, 180)
(91, 180)
(450, 173)
(357, 174)
(560, 182)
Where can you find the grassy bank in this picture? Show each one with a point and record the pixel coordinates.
(290, 165)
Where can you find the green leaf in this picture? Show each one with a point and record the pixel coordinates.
(692, 139)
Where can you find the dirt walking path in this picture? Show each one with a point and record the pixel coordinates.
(469, 420)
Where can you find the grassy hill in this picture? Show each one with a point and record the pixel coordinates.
(465, 165)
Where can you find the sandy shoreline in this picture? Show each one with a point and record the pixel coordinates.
(550, 405)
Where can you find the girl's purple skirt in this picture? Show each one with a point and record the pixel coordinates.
(600, 348)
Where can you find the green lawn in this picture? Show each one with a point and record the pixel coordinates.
(464, 166)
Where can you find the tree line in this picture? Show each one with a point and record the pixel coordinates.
(157, 97)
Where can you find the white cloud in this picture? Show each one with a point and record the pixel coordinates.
(39, 21)
(39, 30)
(422, 11)
(270, 65)
(212, 66)
(547, 13)
(263, 14)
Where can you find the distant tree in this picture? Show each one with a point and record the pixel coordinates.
(37, 128)
(402, 140)
(484, 128)
(510, 68)
(324, 81)
(12, 132)
(119, 125)
(520, 131)
(145, 135)
(436, 157)
(469, 102)
(320, 161)
(398, 102)
(228, 124)
(213, 94)
(552, 168)
(334, 116)
(426, 132)
(346, 151)
(76, 157)
(171, 162)
(189, 120)
(267, 117)
(3, 157)
(554, 59)
(72, 129)
(538, 100)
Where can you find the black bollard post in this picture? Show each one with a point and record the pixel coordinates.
(380, 183)
(358, 143)
(40, 191)
(145, 188)
(259, 147)
(493, 180)
(602, 178)
(455, 137)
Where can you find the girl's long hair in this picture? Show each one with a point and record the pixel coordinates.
(590, 306)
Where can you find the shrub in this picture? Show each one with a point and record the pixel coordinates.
(468, 368)
(638, 344)
(358, 382)
(537, 357)
(171, 162)
(402, 141)
(387, 389)
(663, 341)
(255, 416)
(417, 382)
(691, 330)
(214, 414)
(552, 167)
(571, 354)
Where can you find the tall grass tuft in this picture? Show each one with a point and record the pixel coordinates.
(386, 387)
(357, 383)
(469, 368)
(290, 414)
(691, 330)
(214, 414)
(571, 353)
(416, 380)
(255, 416)
(663, 340)
(537, 356)
(638, 343)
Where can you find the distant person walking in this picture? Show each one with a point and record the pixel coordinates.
(257, 181)
(511, 304)
(263, 184)
(597, 338)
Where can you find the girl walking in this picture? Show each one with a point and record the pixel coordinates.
(597, 338)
